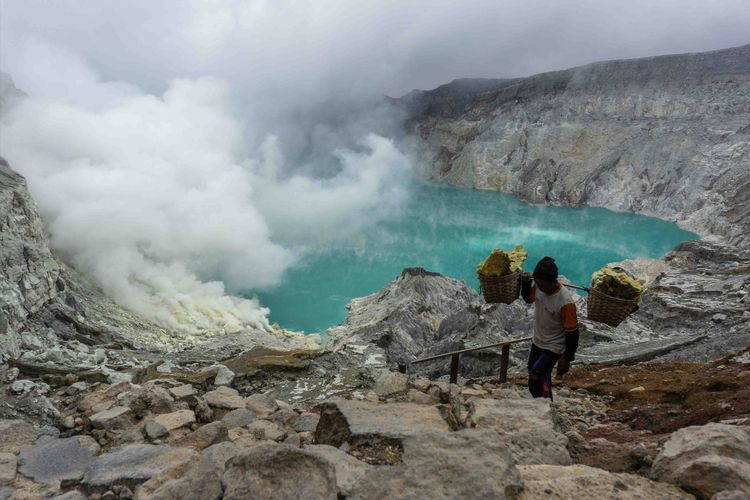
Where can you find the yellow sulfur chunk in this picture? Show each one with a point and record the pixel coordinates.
(616, 282)
(499, 263)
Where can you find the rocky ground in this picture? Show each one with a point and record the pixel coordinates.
(409, 437)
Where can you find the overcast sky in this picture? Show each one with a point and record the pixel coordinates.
(349, 46)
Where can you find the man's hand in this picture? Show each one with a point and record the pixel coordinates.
(563, 367)
(526, 276)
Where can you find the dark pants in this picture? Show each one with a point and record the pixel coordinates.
(541, 363)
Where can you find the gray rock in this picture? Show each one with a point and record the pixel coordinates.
(182, 391)
(278, 472)
(224, 376)
(22, 386)
(224, 398)
(391, 383)
(527, 425)
(7, 468)
(154, 430)
(238, 418)
(706, 459)
(117, 417)
(261, 404)
(75, 388)
(6, 493)
(50, 459)
(205, 436)
(71, 495)
(132, 465)
(15, 434)
(263, 429)
(306, 422)
(349, 470)
(581, 481)
(465, 464)
(344, 421)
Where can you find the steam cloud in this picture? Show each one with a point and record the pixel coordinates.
(152, 196)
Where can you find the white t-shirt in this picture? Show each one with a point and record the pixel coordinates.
(555, 314)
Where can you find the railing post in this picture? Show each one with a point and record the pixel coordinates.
(504, 359)
(454, 368)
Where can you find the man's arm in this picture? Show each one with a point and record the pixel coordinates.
(569, 317)
(527, 291)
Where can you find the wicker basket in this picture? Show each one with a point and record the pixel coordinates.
(500, 289)
(607, 309)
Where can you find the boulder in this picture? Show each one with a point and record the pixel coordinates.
(278, 471)
(224, 398)
(132, 465)
(351, 421)
(391, 383)
(15, 434)
(117, 417)
(527, 426)
(182, 391)
(349, 470)
(199, 477)
(175, 420)
(471, 463)
(50, 459)
(238, 418)
(582, 481)
(7, 468)
(706, 459)
(263, 429)
(261, 405)
(205, 436)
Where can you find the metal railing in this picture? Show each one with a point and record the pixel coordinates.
(456, 358)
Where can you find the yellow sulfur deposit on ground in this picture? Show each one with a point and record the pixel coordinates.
(499, 263)
(617, 282)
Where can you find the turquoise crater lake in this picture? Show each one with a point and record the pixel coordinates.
(450, 230)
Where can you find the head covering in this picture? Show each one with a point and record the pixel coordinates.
(546, 269)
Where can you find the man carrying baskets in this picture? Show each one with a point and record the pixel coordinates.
(555, 337)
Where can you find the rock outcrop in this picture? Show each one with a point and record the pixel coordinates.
(665, 136)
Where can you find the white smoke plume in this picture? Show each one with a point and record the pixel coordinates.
(154, 198)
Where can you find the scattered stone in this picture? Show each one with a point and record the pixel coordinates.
(306, 422)
(15, 434)
(261, 405)
(238, 418)
(581, 481)
(465, 464)
(205, 436)
(224, 398)
(131, 465)
(263, 429)
(7, 468)
(706, 459)
(527, 424)
(279, 472)
(69, 422)
(478, 393)
(154, 430)
(50, 459)
(203, 412)
(182, 391)
(71, 495)
(175, 420)
(421, 384)
(293, 439)
(347, 421)
(11, 375)
(372, 397)
(418, 397)
(391, 383)
(349, 470)
(22, 386)
(117, 417)
(640, 388)
(224, 376)
(719, 318)
(76, 388)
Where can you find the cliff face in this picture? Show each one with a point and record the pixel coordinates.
(666, 136)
